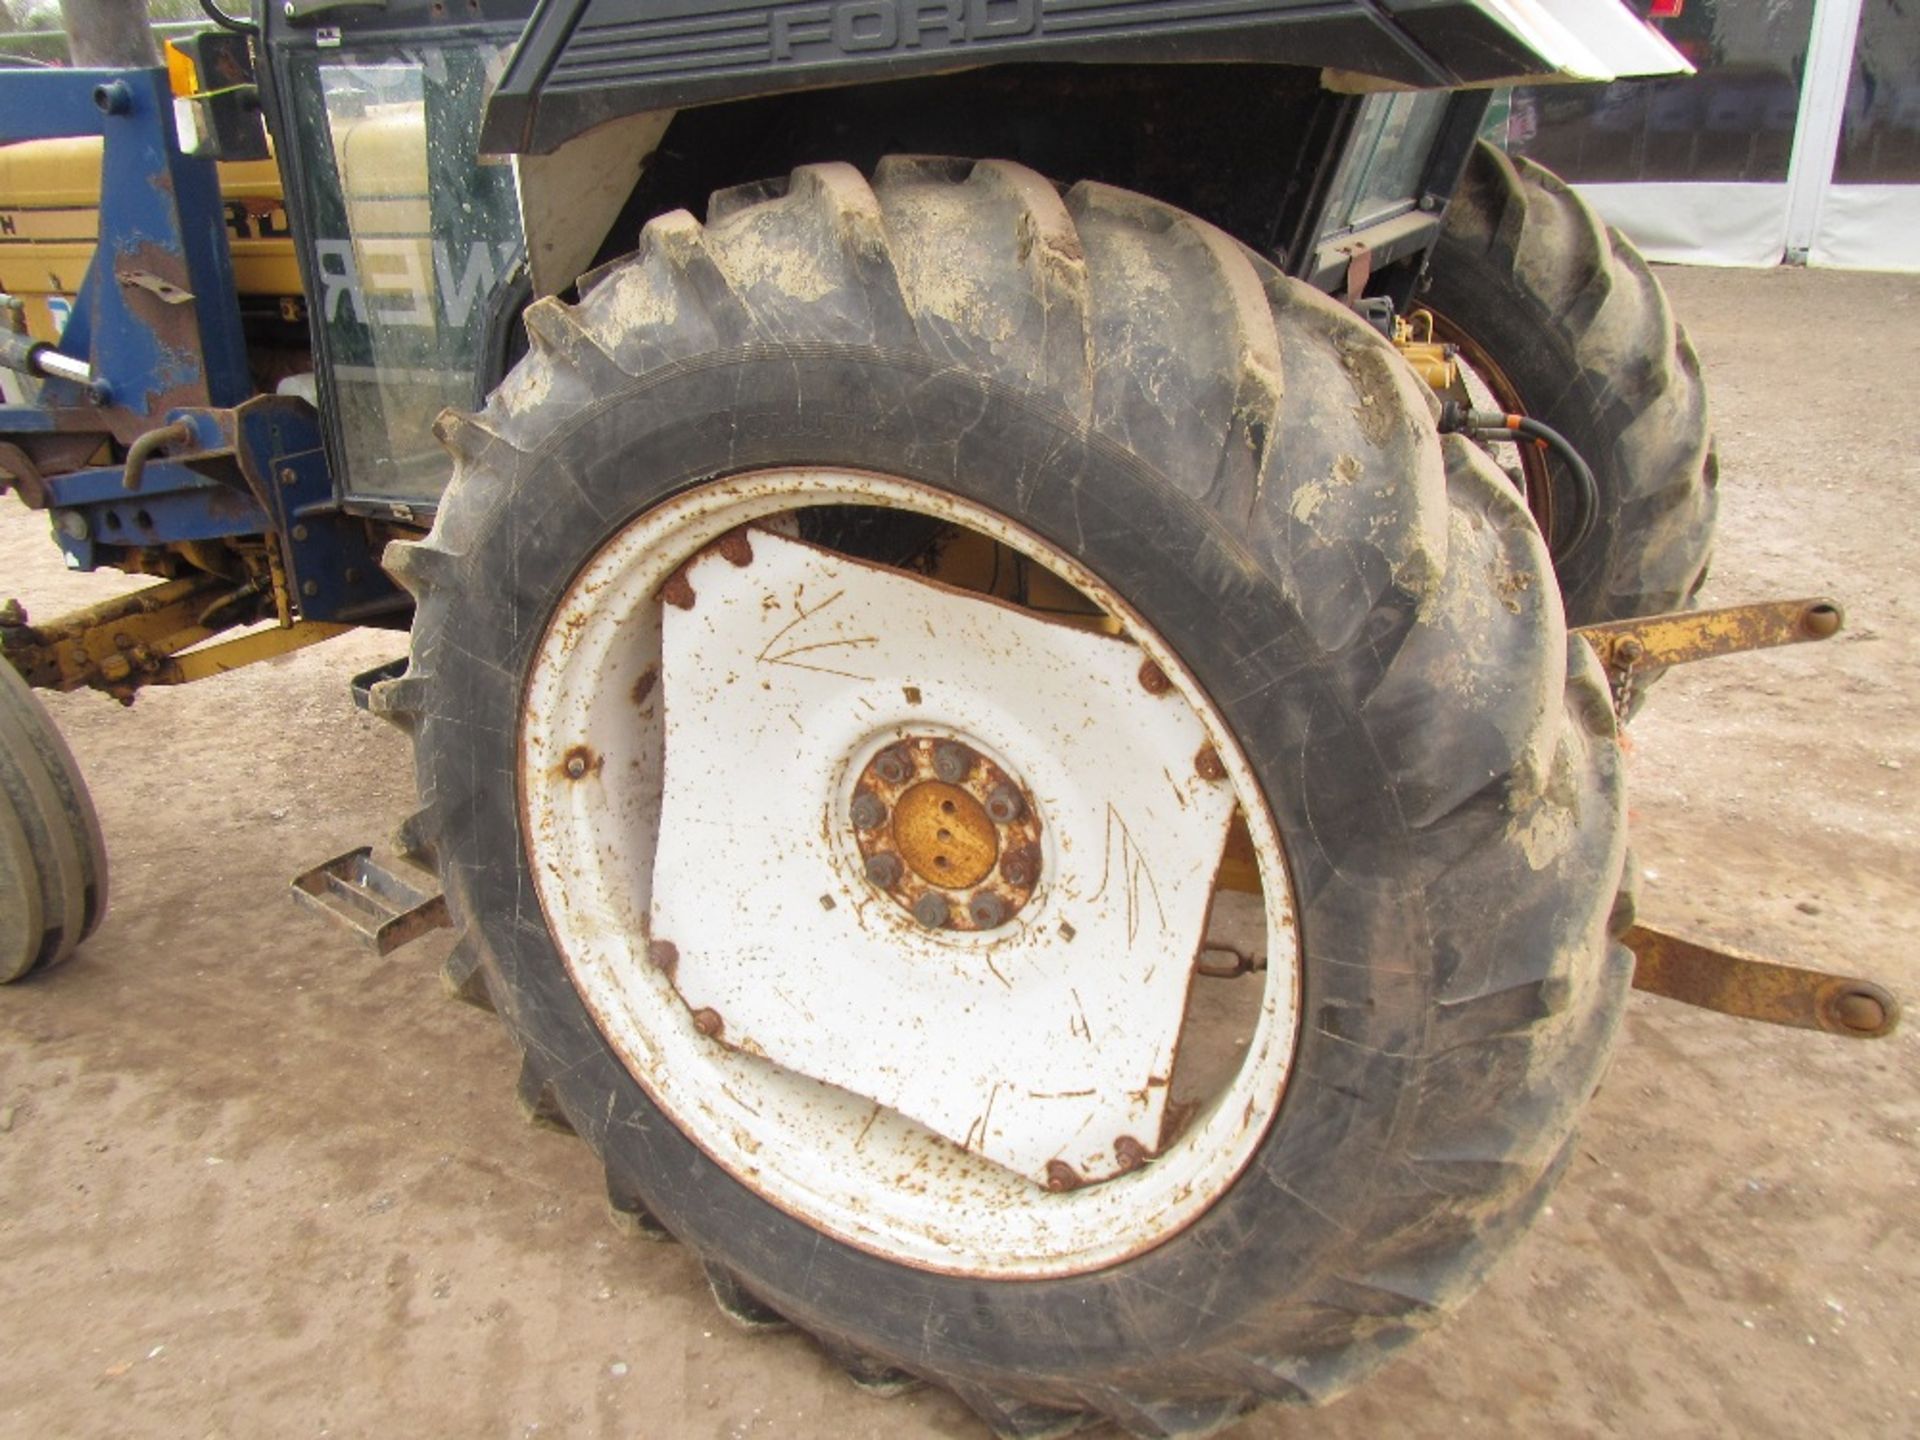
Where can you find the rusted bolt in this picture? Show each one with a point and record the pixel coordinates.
(1207, 764)
(577, 763)
(932, 911)
(1005, 804)
(1062, 1177)
(893, 766)
(1020, 867)
(1857, 1010)
(987, 911)
(288, 477)
(678, 591)
(884, 869)
(1629, 650)
(1153, 679)
(1131, 1153)
(952, 761)
(664, 956)
(299, 532)
(708, 1022)
(869, 811)
(1821, 620)
(735, 546)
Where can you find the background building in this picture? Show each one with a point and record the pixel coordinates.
(1799, 139)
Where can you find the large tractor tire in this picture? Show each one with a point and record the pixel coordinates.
(53, 861)
(1566, 323)
(669, 674)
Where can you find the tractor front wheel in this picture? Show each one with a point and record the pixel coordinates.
(53, 861)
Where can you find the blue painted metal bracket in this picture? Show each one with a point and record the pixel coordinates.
(332, 564)
(92, 508)
(157, 317)
(332, 559)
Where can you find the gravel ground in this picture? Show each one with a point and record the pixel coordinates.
(253, 1181)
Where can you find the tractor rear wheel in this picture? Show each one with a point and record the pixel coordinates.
(1565, 322)
(862, 644)
(53, 861)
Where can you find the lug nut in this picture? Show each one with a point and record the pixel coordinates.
(1019, 867)
(893, 767)
(931, 911)
(951, 762)
(1062, 1177)
(1005, 804)
(869, 811)
(1207, 764)
(884, 869)
(1153, 679)
(987, 911)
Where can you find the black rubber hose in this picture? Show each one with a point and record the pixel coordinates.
(1583, 476)
(227, 22)
(1490, 425)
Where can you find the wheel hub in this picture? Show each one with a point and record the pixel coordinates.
(946, 833)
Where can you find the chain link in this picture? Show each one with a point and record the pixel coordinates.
(1239, 964)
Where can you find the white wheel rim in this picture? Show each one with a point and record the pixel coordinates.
(593, 795)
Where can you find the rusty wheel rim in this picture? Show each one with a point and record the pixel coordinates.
(842, 1162)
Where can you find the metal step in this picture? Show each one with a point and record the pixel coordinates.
(385, 908)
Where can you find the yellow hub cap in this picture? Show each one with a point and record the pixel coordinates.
(945, 834)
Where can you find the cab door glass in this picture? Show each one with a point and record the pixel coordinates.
(415, 234)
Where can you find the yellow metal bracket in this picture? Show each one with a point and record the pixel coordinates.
(1754, 989)
(1687, 635)
(154, 636)
(1435, 361)
(244, 650)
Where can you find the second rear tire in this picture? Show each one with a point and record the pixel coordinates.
(1567, 324)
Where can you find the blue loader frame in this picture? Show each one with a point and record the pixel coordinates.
(156, 326)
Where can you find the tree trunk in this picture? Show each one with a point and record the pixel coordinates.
(109, 33)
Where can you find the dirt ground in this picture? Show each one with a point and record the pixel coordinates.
(254, 1181)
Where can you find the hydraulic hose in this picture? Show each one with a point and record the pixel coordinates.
(227, 22)
(1488, 425)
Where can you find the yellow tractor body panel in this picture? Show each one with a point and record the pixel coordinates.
(50, 198)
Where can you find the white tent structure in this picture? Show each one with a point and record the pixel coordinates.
(1798, 140)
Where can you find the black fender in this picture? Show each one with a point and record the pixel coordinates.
(581, 63)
